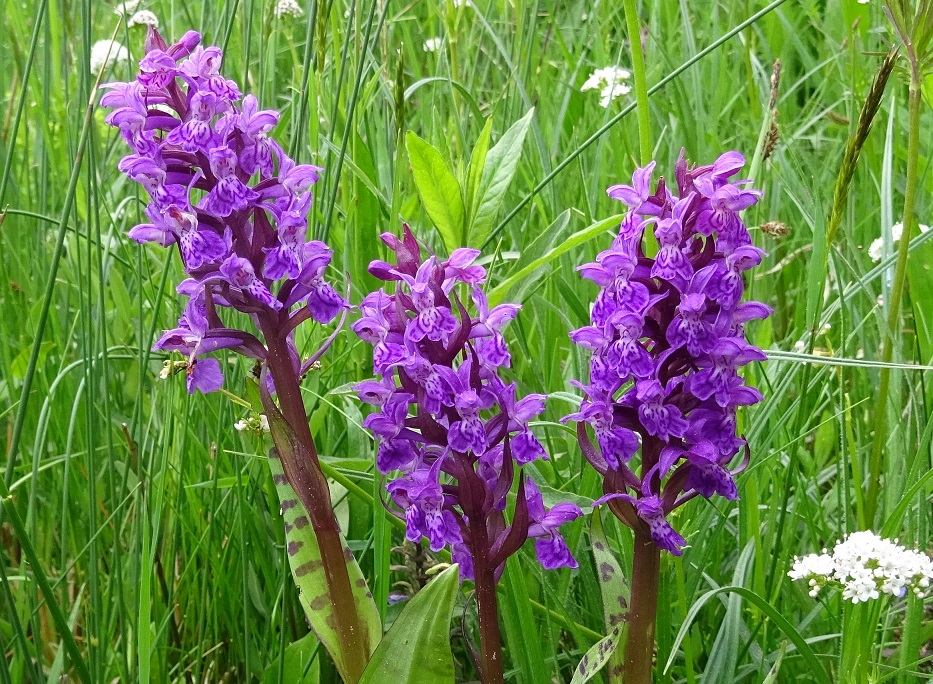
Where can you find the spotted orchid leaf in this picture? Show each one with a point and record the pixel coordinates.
(597, 657)
(615, 593)
(304, 556)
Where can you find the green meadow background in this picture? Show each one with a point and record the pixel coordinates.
(155, 524)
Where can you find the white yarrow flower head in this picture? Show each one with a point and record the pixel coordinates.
(610, 81)
(432, 44)
(866, 566)
(877, 246)
(127, 7)
(144, 18)
(105, 53)
(288, 8)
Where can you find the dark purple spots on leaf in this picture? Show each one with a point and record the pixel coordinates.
(309, 567)
(606, 571)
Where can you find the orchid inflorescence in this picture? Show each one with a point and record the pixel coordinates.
(667, 340)
(447, 422)
(227, 195)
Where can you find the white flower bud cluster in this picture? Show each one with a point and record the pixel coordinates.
(866, 566)
(253, 423)
(610, 81)
(288, 8)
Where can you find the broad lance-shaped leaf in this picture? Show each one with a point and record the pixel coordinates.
(498, 170)
(439, 191)
(416, 649)
(475, 169)
(304, 555)
(596, 658)
(615, 593)
(304, 558)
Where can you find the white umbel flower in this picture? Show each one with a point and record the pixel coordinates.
(877, 245)
(866, 566)
(103, 51)
(610, 83)
(144, 18)
(127, 7)
(432, 44)
(288, 8)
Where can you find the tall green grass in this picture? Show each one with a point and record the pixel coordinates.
(140, 519)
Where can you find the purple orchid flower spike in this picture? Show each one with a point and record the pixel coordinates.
(667, 341)
(454, 432)
(236, 207)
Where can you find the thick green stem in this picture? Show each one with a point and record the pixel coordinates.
(646, 570)
(894, 305)
(641, 81)
(309, 483)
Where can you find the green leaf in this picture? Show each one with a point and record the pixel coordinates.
(723, 658)
(439, 191)
(615, 593)
(776, 668)
(475, 171)
(595, 659)
(417, 648)
(814, 668)
(523, 640)
(302, 663)
(575, 240)
(498, 171)
(304, 555)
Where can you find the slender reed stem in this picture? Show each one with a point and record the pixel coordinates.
(491, 671)
(897, 292)
(646, 568)
(310, 485)
(641, 81)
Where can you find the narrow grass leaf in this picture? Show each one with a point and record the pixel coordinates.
(817, 671)
(499, 292)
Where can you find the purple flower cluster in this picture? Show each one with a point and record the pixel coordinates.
(447, 422)
(667, 340)
(227, 196)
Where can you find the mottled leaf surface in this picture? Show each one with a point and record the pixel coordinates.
(304, 558)
(615, 592)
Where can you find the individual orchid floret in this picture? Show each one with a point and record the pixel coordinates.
(667, 344)
(451, 433)
(865, 566)
(243, 244)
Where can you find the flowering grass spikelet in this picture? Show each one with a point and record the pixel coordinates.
(667, 338)
(865, 566)
(453, 432)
